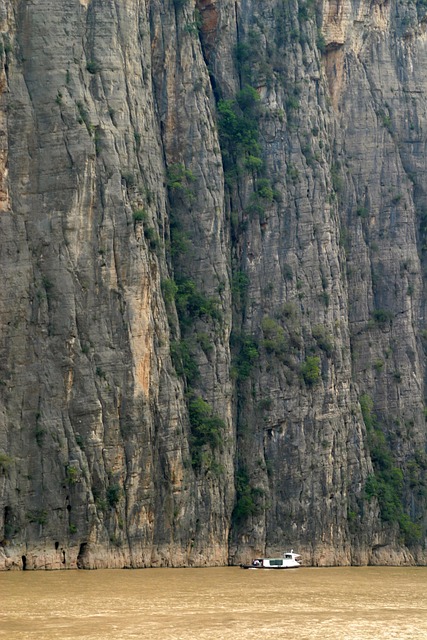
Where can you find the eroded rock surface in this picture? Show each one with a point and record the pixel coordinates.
(212, 312)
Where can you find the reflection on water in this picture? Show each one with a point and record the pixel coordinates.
(215, 604)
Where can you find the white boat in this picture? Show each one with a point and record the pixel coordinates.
(290, 560)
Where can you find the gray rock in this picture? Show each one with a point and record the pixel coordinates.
(212, 331)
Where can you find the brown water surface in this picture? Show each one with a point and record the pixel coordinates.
(218, 603)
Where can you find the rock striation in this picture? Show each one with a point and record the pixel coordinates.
(213, 232)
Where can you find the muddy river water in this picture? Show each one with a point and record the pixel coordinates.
(227, 603)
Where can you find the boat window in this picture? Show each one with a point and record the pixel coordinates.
(276, 563)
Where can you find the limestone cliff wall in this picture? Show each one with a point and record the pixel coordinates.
(212, 248)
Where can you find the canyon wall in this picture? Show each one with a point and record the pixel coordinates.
(213, 223)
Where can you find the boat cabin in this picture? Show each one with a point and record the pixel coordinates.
(289, 561)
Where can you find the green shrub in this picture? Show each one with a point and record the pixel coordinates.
(336, 177)
(287, 272)
(193, 29)
(205, 341)
(177, 175)
(73, 475)
(140, 215)
(292, 172)
(101, 504)
(310, 370)
(292, 103)
(382, 316)
(288, 311)
(179, 179)
(248, 99)
(242, 53)
(93, 67)
(378, 365)
(321, 42)
(411, 532)
(323, 339)
(253, 163)
(150, 234)
(206, 429)
(180, 242)
(252, 61)
(169, 290)
(247, 354)
(79, 441)
(264, 190)
(238, 124)
(274, 337)
(325, 298)
(255, 208)
(39, 516)
(239, 288)
(5, 462)
(40, 434)
(265, 404)
(128, 178)
(422, 217)
(192, 304)
(387, 482)
(363, 212)
(246, 497)
(386, 120)
(366, 406)
(306, 10)
(114, 493)
(388, 494)
(183, 360)
(100, 373)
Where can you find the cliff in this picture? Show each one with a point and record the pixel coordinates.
(213, 223)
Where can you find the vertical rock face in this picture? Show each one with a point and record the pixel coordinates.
(212, 249)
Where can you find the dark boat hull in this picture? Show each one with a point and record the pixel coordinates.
(251, 566)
